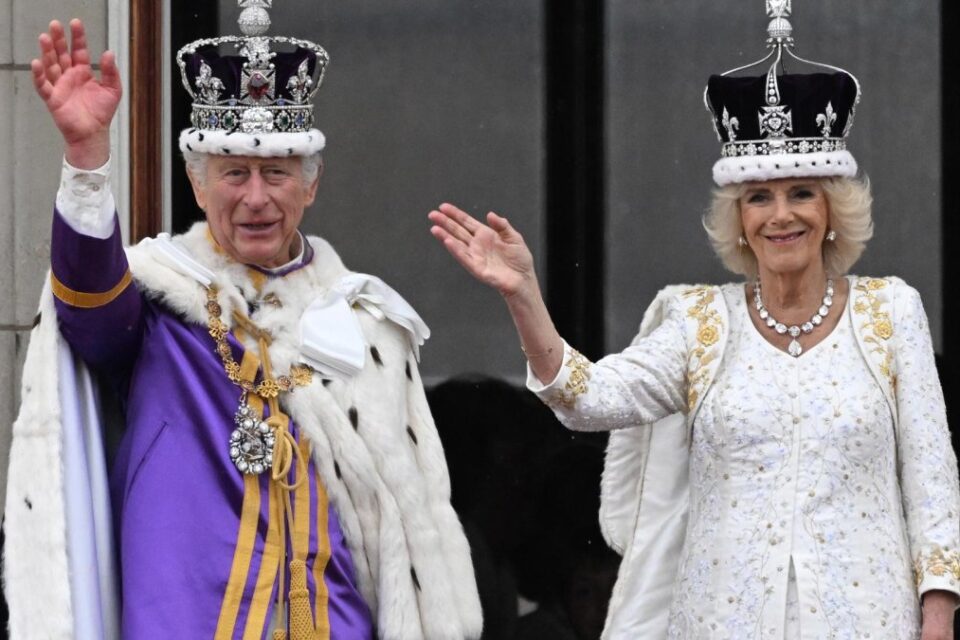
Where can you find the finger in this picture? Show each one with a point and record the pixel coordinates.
(461, 254)
(60, 45)
(109, 72)
(465, 219)
(51, 66)
(502, 226)
(452, 226)
(78, 37)
(43, 86)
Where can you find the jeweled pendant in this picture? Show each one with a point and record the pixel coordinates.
(251, 443)
(794, 348)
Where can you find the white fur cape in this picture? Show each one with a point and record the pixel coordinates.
(387, 477)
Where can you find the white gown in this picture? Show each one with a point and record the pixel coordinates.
(808, 519)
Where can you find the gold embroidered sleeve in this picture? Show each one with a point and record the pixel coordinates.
(639, 385)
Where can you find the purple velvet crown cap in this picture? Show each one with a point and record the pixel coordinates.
(229, 70)
(805, 96)
(784, 126)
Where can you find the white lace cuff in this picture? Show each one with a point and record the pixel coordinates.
(85, 200)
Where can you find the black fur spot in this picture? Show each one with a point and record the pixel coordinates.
(409, 374)
(416, 581)
(354, 418)
(29, 504)
(189, 148)
(256, 142)
(290, 151)
(376, 356)
(200, 137)
(412, 435)
(336, 470)
(326, 382)
(36, 320)
(192, 129)
(226, 151)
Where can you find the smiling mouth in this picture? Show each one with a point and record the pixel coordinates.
(784, 238)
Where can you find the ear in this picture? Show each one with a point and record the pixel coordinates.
(199, 193)
(311, 193)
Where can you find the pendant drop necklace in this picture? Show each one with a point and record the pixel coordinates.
(794, 349)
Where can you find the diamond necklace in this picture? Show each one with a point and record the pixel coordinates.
(794, 348)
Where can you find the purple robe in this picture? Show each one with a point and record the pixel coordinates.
(192, 531)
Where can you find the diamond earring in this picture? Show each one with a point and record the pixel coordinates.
(742, 241)
(831, 235)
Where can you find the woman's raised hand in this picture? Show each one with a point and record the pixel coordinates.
(82, 106)
(493, 253)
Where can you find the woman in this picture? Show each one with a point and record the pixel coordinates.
(823, 493)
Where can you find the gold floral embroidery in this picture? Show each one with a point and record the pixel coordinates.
(576, 384)
(878, 329)
(709, 331)
(939, 562)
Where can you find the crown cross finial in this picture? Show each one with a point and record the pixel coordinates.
(779, 8)
(779, 31)
(254, 19)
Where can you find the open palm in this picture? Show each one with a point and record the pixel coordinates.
(81, 105)
(494, 253)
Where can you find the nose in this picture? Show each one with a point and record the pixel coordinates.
(255, 196)
(782, 211)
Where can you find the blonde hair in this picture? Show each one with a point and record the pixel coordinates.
(849, 202)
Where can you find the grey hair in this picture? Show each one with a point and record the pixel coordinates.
(197, 165)
(850, 209)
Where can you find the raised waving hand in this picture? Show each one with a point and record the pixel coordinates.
(81, 105)
(493, 253)
(496, 255)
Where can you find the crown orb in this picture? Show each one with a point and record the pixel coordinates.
(780, 28)
(254, 21)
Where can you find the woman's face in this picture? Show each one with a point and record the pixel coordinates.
(784, 222)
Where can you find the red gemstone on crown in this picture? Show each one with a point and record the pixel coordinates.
(258, 86)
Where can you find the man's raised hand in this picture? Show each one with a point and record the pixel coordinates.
(81, 106)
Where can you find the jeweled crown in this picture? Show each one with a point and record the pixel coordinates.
(788, 125)
(267, 88)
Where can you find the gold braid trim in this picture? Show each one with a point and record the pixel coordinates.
(82, 300)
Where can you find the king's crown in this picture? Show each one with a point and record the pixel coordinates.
(269, 87)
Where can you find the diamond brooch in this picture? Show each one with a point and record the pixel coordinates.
(251, 443)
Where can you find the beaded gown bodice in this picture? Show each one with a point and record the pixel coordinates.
(793, 460)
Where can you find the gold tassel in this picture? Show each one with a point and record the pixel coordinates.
(301, 616)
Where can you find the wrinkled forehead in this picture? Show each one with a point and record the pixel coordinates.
(216, 162)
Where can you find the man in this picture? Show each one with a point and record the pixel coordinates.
(279, 474)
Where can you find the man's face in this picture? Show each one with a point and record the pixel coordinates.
(254, 206)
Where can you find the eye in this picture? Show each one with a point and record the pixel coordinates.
(803, 193)
(757, 197)
(275, 173)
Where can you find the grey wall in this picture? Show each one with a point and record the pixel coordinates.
(441, 100)
(661, 146)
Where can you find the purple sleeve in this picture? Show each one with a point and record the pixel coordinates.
(99, 307)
